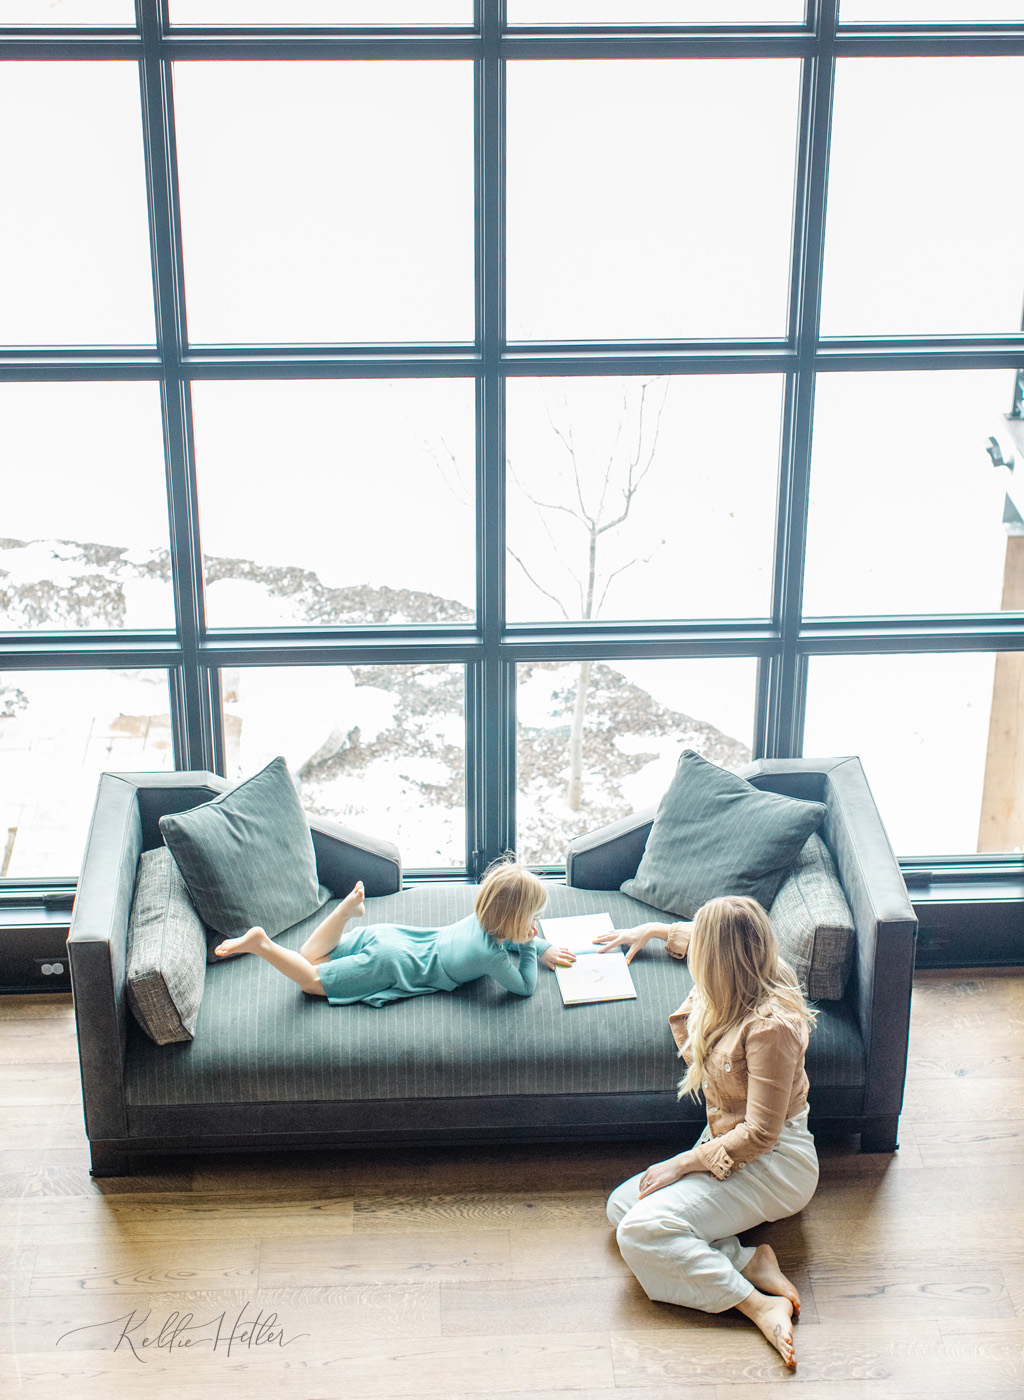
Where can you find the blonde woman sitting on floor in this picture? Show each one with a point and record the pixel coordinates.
(742, 1032)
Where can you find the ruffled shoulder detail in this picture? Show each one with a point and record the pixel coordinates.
(772, 1010)
(677, 1021)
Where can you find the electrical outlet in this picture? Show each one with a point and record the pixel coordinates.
(53, 970)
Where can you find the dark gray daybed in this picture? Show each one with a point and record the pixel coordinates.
(271, 1068)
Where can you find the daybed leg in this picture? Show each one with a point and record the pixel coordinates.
(108, 1162)
(880, 1135)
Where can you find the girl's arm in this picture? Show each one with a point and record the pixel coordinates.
(517, 976)
(553, 957)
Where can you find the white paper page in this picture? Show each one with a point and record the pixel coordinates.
(603, 978)
(577, 932)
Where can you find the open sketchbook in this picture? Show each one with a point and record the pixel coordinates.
(594, 976)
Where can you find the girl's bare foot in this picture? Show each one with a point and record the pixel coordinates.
(352, 906)
(764, 1273)
(248, 943)
(774, 1316)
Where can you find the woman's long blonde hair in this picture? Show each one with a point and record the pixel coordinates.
(736, 968)
(509, 901)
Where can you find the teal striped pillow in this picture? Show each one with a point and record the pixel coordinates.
(716, 834)
(247, 857)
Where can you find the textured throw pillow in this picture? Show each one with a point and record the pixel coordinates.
(814, 925)
(166, 951)
(715, 834)
(247, 856)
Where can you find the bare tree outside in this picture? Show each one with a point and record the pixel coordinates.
(598, 496)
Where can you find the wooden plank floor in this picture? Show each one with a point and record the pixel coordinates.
(491, 1271)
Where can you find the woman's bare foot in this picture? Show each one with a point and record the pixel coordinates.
(764, 1273)
(774, 1316)
(248, 943)
(352, 906)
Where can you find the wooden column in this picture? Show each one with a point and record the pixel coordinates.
(1002, 802)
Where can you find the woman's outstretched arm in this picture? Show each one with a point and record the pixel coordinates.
(676, 936)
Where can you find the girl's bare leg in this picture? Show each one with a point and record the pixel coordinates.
(328, 934)
(292, 964)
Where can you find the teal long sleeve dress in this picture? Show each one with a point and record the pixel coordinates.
(380, 963)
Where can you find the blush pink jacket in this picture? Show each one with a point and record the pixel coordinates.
(753, 1081)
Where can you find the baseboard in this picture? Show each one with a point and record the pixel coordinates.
(33, 953)
(969, 933)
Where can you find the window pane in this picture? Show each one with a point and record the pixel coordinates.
(655, 12)
(287, 12)
(942, 742)
(74, 262)
(69, 13)
(326, 202)
(906, 511)
(632, 215)
(59, 730)
(85, 531)
(626, 732)
(378, 748)
(345, 501)
(923, 227)
(929, 11)
(642, 498)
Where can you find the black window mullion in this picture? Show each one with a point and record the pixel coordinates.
(493, 732)
(193, 739)
(785, 685)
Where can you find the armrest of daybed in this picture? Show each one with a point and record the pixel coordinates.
(602, 859)
(343, 855)
(97, 953)
(882, 977)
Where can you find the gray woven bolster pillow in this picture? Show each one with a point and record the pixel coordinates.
(166, 952)
(814, 925)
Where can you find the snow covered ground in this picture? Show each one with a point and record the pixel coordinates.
(58, 732)
(382, 748)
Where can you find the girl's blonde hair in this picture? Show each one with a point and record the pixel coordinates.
(736, 969)
(509, 901)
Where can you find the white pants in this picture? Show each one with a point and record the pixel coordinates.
(681, 1241)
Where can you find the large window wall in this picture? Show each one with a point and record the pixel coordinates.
(480, 401)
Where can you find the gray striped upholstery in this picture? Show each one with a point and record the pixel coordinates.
(814, 925)
(716, 834)
(166, 952)
(247, 856)
(259, 1040)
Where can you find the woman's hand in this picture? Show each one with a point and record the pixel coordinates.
(557, 957)
(664, 1173)
(631, 938)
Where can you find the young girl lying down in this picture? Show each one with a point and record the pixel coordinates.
(379, 963)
